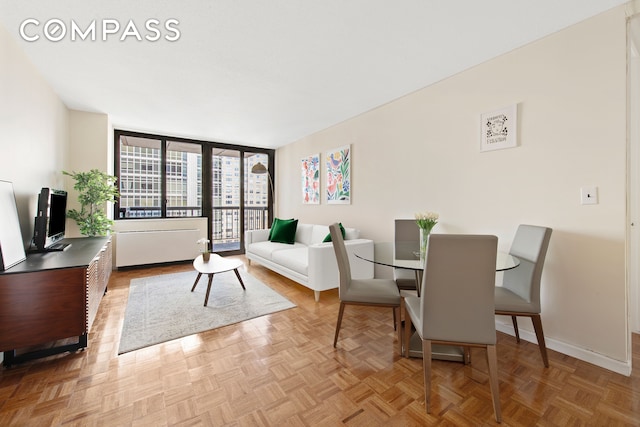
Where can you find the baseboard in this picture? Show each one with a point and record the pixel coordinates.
(623, 368)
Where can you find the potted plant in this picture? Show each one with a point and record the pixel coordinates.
(205, 249)
(95, 188)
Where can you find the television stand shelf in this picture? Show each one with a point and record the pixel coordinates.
(52, 296)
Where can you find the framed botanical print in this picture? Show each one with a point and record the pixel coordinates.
(310, 174)
(338, 162)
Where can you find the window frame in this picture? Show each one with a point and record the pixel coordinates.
(207, 148)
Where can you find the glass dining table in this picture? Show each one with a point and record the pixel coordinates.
(406, 255)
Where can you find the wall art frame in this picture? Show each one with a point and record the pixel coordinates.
(310, 176)
(12, 250)
(499, 128)
(338, 175)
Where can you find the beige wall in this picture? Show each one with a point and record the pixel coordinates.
(421, 152)
(91, 147)
(41, 137)
(34, 132)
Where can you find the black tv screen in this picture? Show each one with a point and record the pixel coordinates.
(51, 218)
(57, 213)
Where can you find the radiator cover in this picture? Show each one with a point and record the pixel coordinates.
(156, 246)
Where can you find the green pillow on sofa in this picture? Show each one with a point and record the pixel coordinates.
(342, 231)
(283, 231)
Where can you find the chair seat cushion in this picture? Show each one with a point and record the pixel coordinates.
(372, 291)
(507, 300)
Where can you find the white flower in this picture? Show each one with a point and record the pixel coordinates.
(205, 243)
(427, 220)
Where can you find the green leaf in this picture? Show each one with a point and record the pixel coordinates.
(95, 188)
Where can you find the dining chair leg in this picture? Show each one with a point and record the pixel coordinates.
(340, 313)
(426, 367)
(407, 332)
(400, 330)
(467, 355)
(395, 319)
(398, 325)
(492, 362)
(515, 328)
(537, 326)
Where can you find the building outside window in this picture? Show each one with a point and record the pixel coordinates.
(162, 177)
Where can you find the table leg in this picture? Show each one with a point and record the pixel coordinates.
(235, 270)
(206, 299)
(196, 282)
(418, 284)
(439, 352)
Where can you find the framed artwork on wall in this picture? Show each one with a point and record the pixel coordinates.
(499, 129)
(310, 171)
(338, 162)
(11, 245)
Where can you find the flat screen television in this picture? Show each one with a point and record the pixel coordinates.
(50, 220)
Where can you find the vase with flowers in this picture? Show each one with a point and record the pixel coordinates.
(205, 249)
(426, 221)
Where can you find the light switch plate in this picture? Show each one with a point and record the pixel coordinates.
(589, 195)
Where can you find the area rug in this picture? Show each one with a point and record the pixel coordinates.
(163, 308)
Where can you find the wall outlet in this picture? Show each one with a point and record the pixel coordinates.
(589, 195)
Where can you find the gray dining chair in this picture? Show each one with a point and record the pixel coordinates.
(456, 306)
(370, 292)
(519, 294)
(406, 244)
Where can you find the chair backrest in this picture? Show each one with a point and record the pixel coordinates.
(530, 246)
(342, 258)
(406, 238)
(457, 297)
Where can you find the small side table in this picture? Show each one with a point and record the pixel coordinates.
(216, 264)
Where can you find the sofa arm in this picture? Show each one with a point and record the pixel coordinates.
(253, 236)
(323, 267)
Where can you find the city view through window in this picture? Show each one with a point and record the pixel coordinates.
(234, 194)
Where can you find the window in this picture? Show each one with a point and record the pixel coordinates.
(136, 176)
(165, 177)
(184, 179)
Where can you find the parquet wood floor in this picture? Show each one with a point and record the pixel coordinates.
(282, 370)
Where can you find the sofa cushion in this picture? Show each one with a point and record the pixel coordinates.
(266, 249)
(303, 233)
(351, 233)
(283, 231)
(319, 233)
(296, 259)
(273, 225)
(328, 237)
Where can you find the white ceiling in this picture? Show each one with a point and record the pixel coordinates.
(266, 73)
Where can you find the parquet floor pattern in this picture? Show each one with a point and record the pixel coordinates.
(282, 370)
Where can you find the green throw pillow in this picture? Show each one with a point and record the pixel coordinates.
(328, 238)
(274, 224)
(283, 231)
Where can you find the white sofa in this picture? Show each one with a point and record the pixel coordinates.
(308, 260)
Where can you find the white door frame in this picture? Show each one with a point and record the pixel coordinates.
(633, 171)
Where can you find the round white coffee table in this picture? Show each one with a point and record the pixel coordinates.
(216, 264)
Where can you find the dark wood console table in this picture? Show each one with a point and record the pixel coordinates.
(52, 296)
